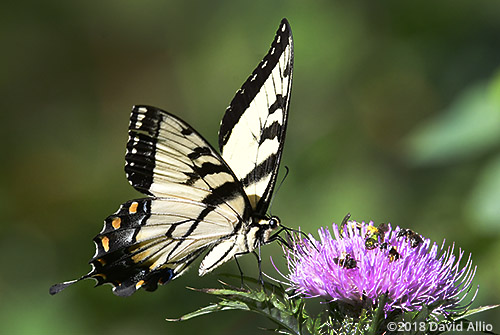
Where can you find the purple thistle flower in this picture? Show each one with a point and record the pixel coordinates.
(399, 263)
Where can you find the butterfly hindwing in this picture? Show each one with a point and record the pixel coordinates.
(252, 132)
(151, 241)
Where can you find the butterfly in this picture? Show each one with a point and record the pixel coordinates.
(198, 201)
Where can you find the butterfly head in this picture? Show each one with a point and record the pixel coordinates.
(273, 222)
(267, 226)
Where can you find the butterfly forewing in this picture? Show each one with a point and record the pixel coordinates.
(252, 132)
(167, 157)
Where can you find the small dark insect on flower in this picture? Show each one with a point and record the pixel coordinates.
(371, 238)
(374, 235)
(393, 254)
(346, 261)
(345, 220)
(410, 235)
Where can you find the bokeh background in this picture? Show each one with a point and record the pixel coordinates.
(395, 117)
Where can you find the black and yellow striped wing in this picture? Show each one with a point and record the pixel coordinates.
(252, 132)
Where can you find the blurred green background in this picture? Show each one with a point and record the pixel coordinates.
(395, 117)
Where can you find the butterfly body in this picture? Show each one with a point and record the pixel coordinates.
(198, 201)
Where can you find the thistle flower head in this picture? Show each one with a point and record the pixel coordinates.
(362, 263)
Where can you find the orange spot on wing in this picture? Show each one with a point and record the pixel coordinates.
(105, 243)
(133, 207)
(116, 223)
(139, 284)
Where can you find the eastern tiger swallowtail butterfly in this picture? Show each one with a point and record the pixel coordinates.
(199, 201)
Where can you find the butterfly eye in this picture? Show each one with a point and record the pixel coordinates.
(274, 222)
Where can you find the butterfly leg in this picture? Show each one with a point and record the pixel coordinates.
(259, 263)
(239, 269)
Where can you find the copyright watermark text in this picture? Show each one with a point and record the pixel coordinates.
(478, 326)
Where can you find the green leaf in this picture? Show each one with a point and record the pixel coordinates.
(221, 306)
(476, 310)
(287, 313)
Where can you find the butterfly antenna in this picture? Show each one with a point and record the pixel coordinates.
(278, 188)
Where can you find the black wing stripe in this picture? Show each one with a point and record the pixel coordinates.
(257, 173)
(224, 250)
(270, 132)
